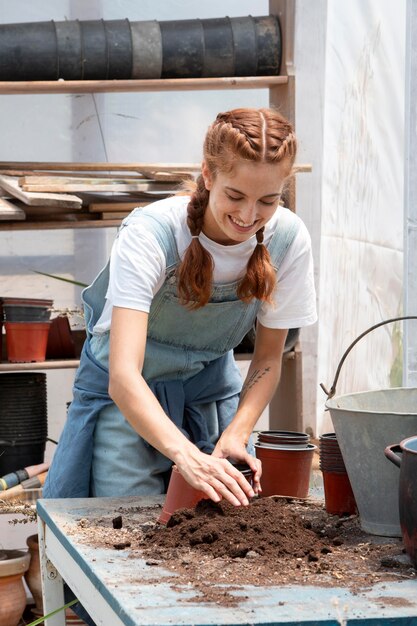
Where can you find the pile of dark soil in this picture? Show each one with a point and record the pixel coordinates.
(215, 548)
(274, 541)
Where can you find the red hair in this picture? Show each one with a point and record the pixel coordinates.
(258, 135)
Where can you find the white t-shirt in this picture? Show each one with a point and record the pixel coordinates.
(137, 268)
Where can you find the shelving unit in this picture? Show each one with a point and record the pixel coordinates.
(132, 86)
(286, 407)
(40, 365)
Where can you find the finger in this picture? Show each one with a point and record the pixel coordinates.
(229, 493)
(236, 482)
(256, 467)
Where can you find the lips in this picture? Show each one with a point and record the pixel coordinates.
(241, 226)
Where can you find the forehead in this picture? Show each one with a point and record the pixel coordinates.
(246, 174)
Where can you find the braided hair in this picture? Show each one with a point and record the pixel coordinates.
(257, 135)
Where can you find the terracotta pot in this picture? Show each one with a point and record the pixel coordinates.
(284, 438)
(72, 619)
(180, 495)
(338, 494)
(33, 574)
(12, 591)
(331, 459)
(26, 342)
(60, 340)
(285, 471)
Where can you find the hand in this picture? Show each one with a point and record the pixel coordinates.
(215, 477)
(231, 446)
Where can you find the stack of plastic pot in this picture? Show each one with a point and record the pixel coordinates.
(338, 494)
(287, 458)
(27, 323)
(23, 420)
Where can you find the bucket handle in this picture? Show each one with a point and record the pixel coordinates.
(390, 454)
(332, 391)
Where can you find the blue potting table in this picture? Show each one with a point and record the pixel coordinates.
(111, 583)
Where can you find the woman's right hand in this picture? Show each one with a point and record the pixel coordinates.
(215, 477)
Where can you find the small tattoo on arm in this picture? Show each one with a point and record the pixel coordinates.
(254, 378)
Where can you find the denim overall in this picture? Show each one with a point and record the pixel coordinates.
(188, 365)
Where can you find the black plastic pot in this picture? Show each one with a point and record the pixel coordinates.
(23, 420)
(14, 457)
(116, 49)
(25, 313)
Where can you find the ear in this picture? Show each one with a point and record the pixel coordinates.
(205, 172)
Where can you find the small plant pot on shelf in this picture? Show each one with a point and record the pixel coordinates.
(26, 342)
(13, 564)
(60, 339)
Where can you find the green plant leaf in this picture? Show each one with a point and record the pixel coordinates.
(40, 620)
(66, 280)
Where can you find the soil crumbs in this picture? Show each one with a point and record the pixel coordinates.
(217, 548)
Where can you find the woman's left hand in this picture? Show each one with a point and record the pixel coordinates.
(232, 447)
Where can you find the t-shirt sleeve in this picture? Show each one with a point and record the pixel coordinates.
(137, 269)
(294, 297)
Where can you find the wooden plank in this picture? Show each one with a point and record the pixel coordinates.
(42, 210)
(133, 85)
(9, 211)
(114, 216)
(71, 166)
(55, 179)
(93, 185)
(50, 173)
(11, 185)
(40, 365)
(115, 206)
(58, 225)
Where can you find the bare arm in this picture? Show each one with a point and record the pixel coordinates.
(257, 391)
(214, 476)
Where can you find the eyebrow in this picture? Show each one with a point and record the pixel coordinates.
(268, 195)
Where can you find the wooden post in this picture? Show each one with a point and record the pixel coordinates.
(286, 407)
(410, 198)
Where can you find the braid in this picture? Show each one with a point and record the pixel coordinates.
(260, 278)
(195, 273)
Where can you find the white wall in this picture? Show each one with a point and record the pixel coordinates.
(362, 212)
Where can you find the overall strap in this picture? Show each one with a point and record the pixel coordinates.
(160, 229)
(284, 235)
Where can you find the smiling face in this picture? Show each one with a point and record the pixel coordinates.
(242, 201)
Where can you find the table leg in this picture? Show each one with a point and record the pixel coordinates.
(52, 583)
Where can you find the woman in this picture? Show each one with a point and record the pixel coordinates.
(187, 279)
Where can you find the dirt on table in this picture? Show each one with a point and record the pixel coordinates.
(274, 541)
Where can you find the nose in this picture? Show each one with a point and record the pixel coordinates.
(248, 212)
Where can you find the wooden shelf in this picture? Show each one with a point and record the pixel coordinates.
(165, 84)
(40, 365)
(27, 225)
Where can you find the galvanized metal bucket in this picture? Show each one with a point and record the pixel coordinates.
(365, 424)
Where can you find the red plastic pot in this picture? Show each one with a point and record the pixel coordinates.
(338, 495)
(26, 342)
(180, 495)
(285, 472)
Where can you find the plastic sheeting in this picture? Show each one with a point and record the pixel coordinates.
(361, 261)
